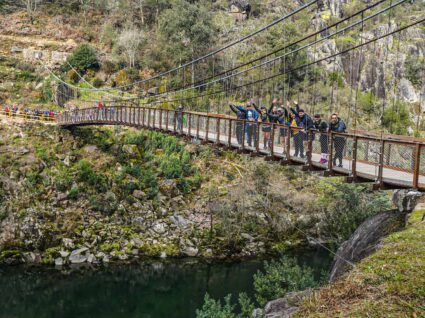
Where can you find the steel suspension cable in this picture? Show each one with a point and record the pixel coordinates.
(317, 61)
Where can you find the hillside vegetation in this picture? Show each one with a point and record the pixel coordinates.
(134, 40)
(390, 283)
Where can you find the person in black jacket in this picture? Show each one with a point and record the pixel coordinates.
(337, 125)
(179, 118)
(266, 126)
(280, 116)
(306, 124)
(239, 124)
(322, 127)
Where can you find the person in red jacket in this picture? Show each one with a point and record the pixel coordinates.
(100, 109)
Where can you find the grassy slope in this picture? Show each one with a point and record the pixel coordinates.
(389, 283)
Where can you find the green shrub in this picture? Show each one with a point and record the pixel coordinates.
(3, 215)
(46, 92)
(63, 181)
(149, 181)
(171, 166)
(97, 82)
(74, 193)
(396, 118)
(109, 67)
(87, 175)
(346, 206)
(215, 309)
(82, 59)
(105, 203)
(415, 68)
(33, 178)
(280, 277)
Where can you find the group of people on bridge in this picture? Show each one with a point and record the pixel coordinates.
(290, 116)
(15, 110)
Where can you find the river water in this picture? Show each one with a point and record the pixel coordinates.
(157, 289)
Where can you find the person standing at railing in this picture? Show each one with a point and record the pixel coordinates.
(306, 123)
(14, 110)
(251, 117)
(179, 118)
(321, 126)
(266, 127)
(7, 110)
(239, 124)
(280, 116)
(294, 121)
(100, 108)
(337, 125)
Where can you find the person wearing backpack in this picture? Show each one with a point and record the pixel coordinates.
(251, 117)
(337, 125)
(321, 127)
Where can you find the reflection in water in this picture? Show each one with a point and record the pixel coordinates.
(151, 289)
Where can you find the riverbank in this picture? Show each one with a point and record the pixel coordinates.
(388, 283)
(100, 195)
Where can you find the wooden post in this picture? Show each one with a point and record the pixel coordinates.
(218, 131)
(243, 134)
(149, 117)
(354, 164)
(272, 135)
(381, 165)
(416, 170)
(331, 150)
(207, 128)
(175, 122)
(160, 119)
(310, 149)
(138, 116)
(189, 124)
(198, 123)
(288, 144)
(166, 119)
(230, 133)
(257, 138)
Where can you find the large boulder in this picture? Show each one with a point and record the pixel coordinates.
(285, 307)
(367, 238)
(408, 91)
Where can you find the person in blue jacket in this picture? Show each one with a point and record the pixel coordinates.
(337, 125)
(251, 117)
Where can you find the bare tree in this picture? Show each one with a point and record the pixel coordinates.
(130, 41)
(141, 6)
(31, 6)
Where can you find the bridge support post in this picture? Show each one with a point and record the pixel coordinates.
(416, 170)
(229, 137)
(354, 164)
(217, 140)
(189, 125)
(329, 172)
(272, 134)
(287, 160)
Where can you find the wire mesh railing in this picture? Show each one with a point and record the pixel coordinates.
(382, 160)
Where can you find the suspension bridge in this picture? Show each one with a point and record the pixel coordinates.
(389, 161)
(290, 72)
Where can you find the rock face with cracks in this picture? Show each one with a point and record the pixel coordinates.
(366, 239)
